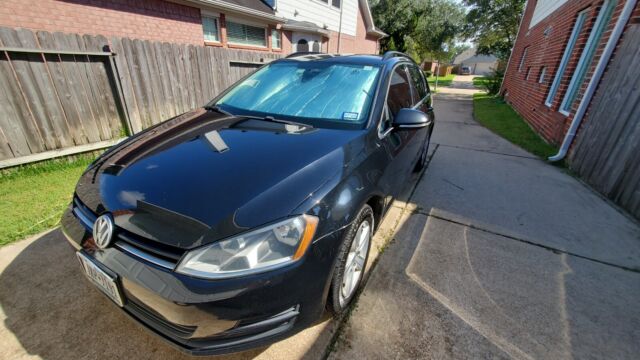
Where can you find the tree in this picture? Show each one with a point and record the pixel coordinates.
(493, 25)
(396, 18)
(421, 28)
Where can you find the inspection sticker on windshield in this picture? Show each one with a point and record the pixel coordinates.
(349, 116)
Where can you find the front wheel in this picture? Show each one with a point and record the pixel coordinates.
(352, 259)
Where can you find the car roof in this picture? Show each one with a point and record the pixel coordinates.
(357, 59)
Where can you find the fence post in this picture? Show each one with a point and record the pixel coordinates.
(122, 108)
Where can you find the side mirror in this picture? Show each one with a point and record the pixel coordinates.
(410, 119)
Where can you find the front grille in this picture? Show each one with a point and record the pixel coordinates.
(162, 251)
(157, 253)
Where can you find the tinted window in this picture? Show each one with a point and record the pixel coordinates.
(399, 92)
(418, 84)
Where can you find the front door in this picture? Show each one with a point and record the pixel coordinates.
(304, 42)
(395, 142)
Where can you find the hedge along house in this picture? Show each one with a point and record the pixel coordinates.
(280, 26)
(574, 77)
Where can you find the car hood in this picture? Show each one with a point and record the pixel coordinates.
(202, 176)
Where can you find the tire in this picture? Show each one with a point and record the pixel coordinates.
(351, 262)
(424, 155)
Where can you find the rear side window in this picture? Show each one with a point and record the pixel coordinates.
(399, 91)
(418, 84)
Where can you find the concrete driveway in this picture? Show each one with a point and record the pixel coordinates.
(504, 256)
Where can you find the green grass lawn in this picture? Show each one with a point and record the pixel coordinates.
(478, 81)
(442, 80)
(499, 117)
(33, 197)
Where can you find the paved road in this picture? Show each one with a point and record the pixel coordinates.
(504, 256)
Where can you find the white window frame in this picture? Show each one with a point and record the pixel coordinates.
(279, 37)
(211, 15)
(247, 23)
(573, 38)
(587, 55)
(522, 59)
(329, 4)
(543, 74)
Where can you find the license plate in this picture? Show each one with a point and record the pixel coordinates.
(105, 282)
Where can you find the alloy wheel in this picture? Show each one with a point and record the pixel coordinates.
(355, 263)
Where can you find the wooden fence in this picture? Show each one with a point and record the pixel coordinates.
(66, 93)
(607, 150)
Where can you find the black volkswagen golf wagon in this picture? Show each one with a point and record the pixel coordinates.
(237, 224)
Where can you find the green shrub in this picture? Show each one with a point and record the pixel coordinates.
(491, 83)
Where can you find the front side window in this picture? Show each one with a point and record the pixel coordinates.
(417, 84)
(244, 34)
(399, 95)
(211, 29)
(319, 91)
(275, 39)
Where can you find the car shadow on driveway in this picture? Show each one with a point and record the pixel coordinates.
(50, 310)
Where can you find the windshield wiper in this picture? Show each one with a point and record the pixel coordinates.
(218, 109)
(270, 118)
(280, 121)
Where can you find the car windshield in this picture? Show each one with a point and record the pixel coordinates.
(320, 91)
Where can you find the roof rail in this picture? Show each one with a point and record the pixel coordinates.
(302, 53)
(391, 54)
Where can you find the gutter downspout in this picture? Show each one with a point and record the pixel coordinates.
(595, 80)
(340, 26)
(526, 3)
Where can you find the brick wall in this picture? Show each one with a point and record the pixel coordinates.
(545, 44)
(142, 19)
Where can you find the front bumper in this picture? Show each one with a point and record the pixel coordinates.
(204, 317)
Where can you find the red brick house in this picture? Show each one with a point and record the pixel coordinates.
(558, 47)
(574, 77)
(281, 26)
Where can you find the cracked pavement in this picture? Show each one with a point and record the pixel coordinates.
(501, 256)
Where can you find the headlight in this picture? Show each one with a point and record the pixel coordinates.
(260, 250)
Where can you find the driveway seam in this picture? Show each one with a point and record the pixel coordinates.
(529, 242)
(491, 152)
(461, 123)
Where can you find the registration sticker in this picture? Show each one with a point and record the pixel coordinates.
(349, 116)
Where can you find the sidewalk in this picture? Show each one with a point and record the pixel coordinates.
(504, 256)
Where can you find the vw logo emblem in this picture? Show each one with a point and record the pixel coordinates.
(103, 231)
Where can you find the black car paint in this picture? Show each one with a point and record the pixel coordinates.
(173, 186)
